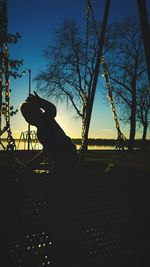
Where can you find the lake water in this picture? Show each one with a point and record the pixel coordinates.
(37, 146)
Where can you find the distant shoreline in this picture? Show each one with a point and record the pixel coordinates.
(96, 141)
(109, 142)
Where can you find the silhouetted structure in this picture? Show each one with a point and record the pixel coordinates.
(24, 137)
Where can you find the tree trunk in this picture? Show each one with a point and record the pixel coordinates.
(1, 86)
(133, 116)
(84, 145)
(132, 132)
(145, 125)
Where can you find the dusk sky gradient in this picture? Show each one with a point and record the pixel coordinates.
(37, 21)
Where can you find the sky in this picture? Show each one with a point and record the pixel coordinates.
(37, 21)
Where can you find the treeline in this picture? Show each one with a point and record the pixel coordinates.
(109, 142)
(96, 142)
(102, 142)
(71, 64)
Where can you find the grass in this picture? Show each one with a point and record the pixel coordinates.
(137, 160)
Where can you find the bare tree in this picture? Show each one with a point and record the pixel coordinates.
(143, 111)
(127, 69)
(71, 65)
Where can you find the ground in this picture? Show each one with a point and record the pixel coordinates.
(102, 221)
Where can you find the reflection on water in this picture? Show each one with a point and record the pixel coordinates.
(37, 146)
(98, 147)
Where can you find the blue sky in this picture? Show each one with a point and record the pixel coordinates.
(37, 21)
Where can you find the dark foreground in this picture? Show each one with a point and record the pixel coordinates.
(94, 219)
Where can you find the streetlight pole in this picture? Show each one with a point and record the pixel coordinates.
(29, 71)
